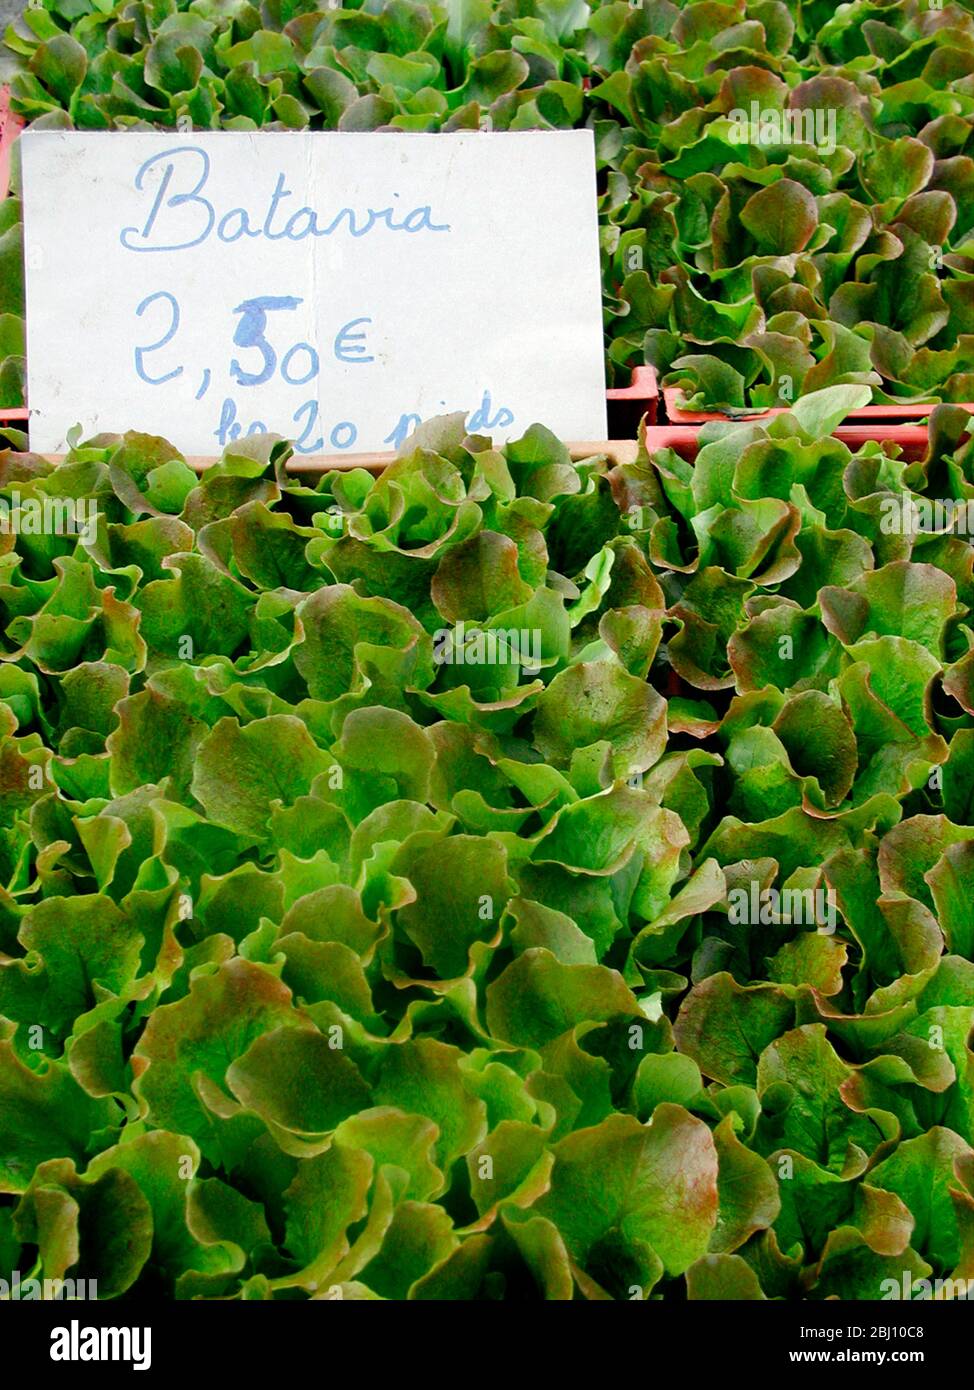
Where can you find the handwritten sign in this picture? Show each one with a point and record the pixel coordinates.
(335, 289)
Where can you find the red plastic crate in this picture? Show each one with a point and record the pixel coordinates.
(10, 127)
(676, 415)
(685, 439)
(626, 405)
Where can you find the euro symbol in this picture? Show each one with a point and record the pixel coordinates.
(349, 346)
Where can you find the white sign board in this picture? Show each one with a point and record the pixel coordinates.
(335, 289)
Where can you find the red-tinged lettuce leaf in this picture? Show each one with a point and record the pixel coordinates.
(421, 1076)
(538, 998)
(164, 1165)
(200, 1036)
(240, 772)
(79, 949)
(393, 1137)
(903, 600)
(200, 610)
(850, 1269)
(716, 1278)
(352, 645)
(99, 1228)
(725, 1028)
(781, 218)
(297, 1080)
(598, 701)
(461, 888)
(748, 1199)
(803, 1073)
(922, 1173)
(633, 1200)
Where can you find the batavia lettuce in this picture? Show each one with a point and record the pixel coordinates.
(632, 957)
(785, 188)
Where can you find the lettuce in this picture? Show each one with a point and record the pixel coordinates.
(618, 947)
(784, 189)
